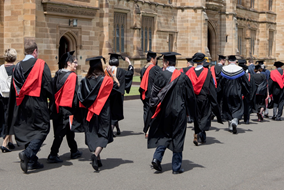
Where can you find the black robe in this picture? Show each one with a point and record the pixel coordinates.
(4, 105)
(185, 69)
(98, 132)
(261, 90)
(275, 90)
(206, 103)
(231, 90)
(61, 119)
(169, 127)
(30, 120)
(250, 101)
(152, 75)
(218, 69)
(117, 95)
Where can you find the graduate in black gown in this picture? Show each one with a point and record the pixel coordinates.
(266, 72)
(6, 71)
(185, 70)
(64, 84)
(173, 98)
(233, 84)
(261, 92)
(94, 102)
(249, 101)
(218, 67)
(124, 84)
(276, 90)
(206, 97)
(28, 111)
(147, 76)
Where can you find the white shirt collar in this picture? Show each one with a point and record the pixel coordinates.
(198, 67)
(27, 57)
(170, 68)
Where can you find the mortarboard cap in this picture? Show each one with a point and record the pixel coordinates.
(243, 66)
(232, 58)
(189, 59)
(64, 58)
(278, 64)
(95, 60)
(260, 62)
(242, 61)
(206, 64)
(199, 58)
(170, 56)
(116, 56)
(257, 67)
(222, 57)
(151, 54)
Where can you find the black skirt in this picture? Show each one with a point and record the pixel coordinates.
(260, 102)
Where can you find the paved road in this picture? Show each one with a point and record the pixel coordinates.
(252, 159)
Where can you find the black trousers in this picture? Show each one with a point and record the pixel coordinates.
(278, 109)
(247, 110)
(58, 138)
(32, 149)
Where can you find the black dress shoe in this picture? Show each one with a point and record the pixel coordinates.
(246, 122)
(118, 130)
(266, 116)
(4, 149)
(157, 165)
(11, 146)
(273, 118)
(54, 159)
(75, 155)
(35, 166)
(179, 171)
(100, 163)
(95, 162)
(24, 161)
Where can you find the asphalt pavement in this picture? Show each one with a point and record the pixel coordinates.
(253, 159)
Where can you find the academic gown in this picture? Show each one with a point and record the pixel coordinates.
(151, 77)
(4, 104)
(275, 90)
(251, 69)
(206, 97)
(66, 101)
(217, 69)
(168, 127)
(233, 84)
(185, 69)
(261, 90)
(31, 119)
(97, 126)
(117, 95)
(250, 100)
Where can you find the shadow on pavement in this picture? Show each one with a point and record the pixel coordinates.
(240, 130)
(211, 140)
(128, 133)
(186, 165)
(111, 163)
(214, 129)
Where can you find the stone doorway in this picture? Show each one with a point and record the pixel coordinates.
(211, 42)
(67, 43)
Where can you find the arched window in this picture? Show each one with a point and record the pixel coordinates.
(147, 33)
(119, 28)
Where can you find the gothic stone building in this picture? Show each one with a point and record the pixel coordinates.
(249, 28)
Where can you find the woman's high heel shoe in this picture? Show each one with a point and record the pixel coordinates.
(4, 149)
(11, 146)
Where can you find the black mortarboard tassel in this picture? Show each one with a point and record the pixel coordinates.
(95, 60)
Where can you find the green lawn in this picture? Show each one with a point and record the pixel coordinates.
(136, 79)
(133, 91)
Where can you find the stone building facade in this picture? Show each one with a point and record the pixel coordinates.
(249, 28)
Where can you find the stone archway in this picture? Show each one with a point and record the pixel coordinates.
(212, 42)
(67, 43)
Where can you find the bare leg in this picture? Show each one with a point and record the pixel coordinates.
(6, 140)
(98, 151)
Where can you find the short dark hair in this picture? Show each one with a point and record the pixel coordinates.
(71, 59)
(171, 63)
(30, 46)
